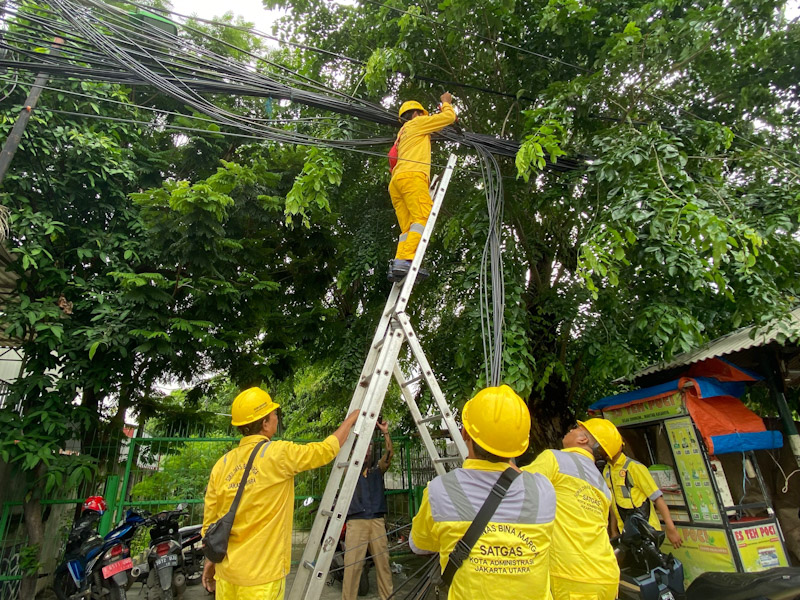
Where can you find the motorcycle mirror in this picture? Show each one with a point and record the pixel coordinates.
(308, 501)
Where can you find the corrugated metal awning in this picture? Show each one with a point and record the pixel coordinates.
(736, 341)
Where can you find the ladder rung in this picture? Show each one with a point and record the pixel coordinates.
(430, 419)
(412, 381)
(309, 565)
(448, 459)
(326, 513)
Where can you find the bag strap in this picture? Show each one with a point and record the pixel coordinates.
(235, 504)
(465, 544)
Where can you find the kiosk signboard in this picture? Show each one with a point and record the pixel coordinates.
(760, 547)
(702, 550)
(650, 410)
(691, 467)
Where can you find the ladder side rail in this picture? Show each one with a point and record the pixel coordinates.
(318, 529)
(345, 454)
(427, 440)
(373, 403)
(382, 331)
(427, 374)
(319, 526)
(441, 189)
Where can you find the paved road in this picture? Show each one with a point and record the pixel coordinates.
(333, 592)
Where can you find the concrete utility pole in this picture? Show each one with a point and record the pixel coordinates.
(14, 138)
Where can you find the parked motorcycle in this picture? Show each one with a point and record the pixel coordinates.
(165, 564)
(646, 573)
(193, 557)
(95, 567)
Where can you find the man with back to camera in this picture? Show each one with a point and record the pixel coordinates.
(511, 558)
(582, 561)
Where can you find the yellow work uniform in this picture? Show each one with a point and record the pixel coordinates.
(511, 559)
(632, 486)
(274, 590)
(582, 561)
(260, 546)
(411, 176)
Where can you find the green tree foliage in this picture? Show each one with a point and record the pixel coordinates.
(682, 227)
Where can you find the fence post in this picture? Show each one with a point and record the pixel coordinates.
(409, 481)
(110, 494)
(127, 476)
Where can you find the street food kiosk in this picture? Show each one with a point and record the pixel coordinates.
(698, 440)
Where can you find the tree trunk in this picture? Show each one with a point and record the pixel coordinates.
(32, 511)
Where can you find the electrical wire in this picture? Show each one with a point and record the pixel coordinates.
(786, 478)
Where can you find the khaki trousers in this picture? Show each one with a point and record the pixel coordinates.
(363, 534)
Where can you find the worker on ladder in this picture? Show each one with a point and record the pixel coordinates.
(582, 561)
(502, 551)
(410, 165)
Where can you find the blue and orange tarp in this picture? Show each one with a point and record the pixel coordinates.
(711, 390)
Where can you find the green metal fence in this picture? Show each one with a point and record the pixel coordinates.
(155, 473)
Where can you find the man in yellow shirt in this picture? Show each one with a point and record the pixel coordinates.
(511, 558)
(409, 187)
(582, 561)
(260, 545)
(634, 489)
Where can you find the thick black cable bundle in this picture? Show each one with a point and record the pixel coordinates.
(102, 44)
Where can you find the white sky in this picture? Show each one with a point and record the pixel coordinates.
(251, 10)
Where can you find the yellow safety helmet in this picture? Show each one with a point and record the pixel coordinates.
(606, 434)
(498, 421)
(411, 105)
(251, 405)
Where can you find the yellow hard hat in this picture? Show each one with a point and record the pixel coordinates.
(411, 105)
(251, 405)
(605, 433)
(498, 421)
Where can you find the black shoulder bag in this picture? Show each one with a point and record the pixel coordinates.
(215, 542)
(437, 583)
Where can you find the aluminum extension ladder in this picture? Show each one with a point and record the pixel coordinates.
(381, 365)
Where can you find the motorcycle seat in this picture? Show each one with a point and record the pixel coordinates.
(189, 529)
(776, 584)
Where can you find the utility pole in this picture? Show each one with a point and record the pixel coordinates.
(14, 138)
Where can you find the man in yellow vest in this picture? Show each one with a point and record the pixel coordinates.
(633, 489)
(411, 178)
(260, 545)
(511, 558)
(582, 561)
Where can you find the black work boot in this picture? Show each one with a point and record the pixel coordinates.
(398, 269)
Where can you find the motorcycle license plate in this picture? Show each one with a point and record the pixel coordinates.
(170, 560)
(117, 567)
